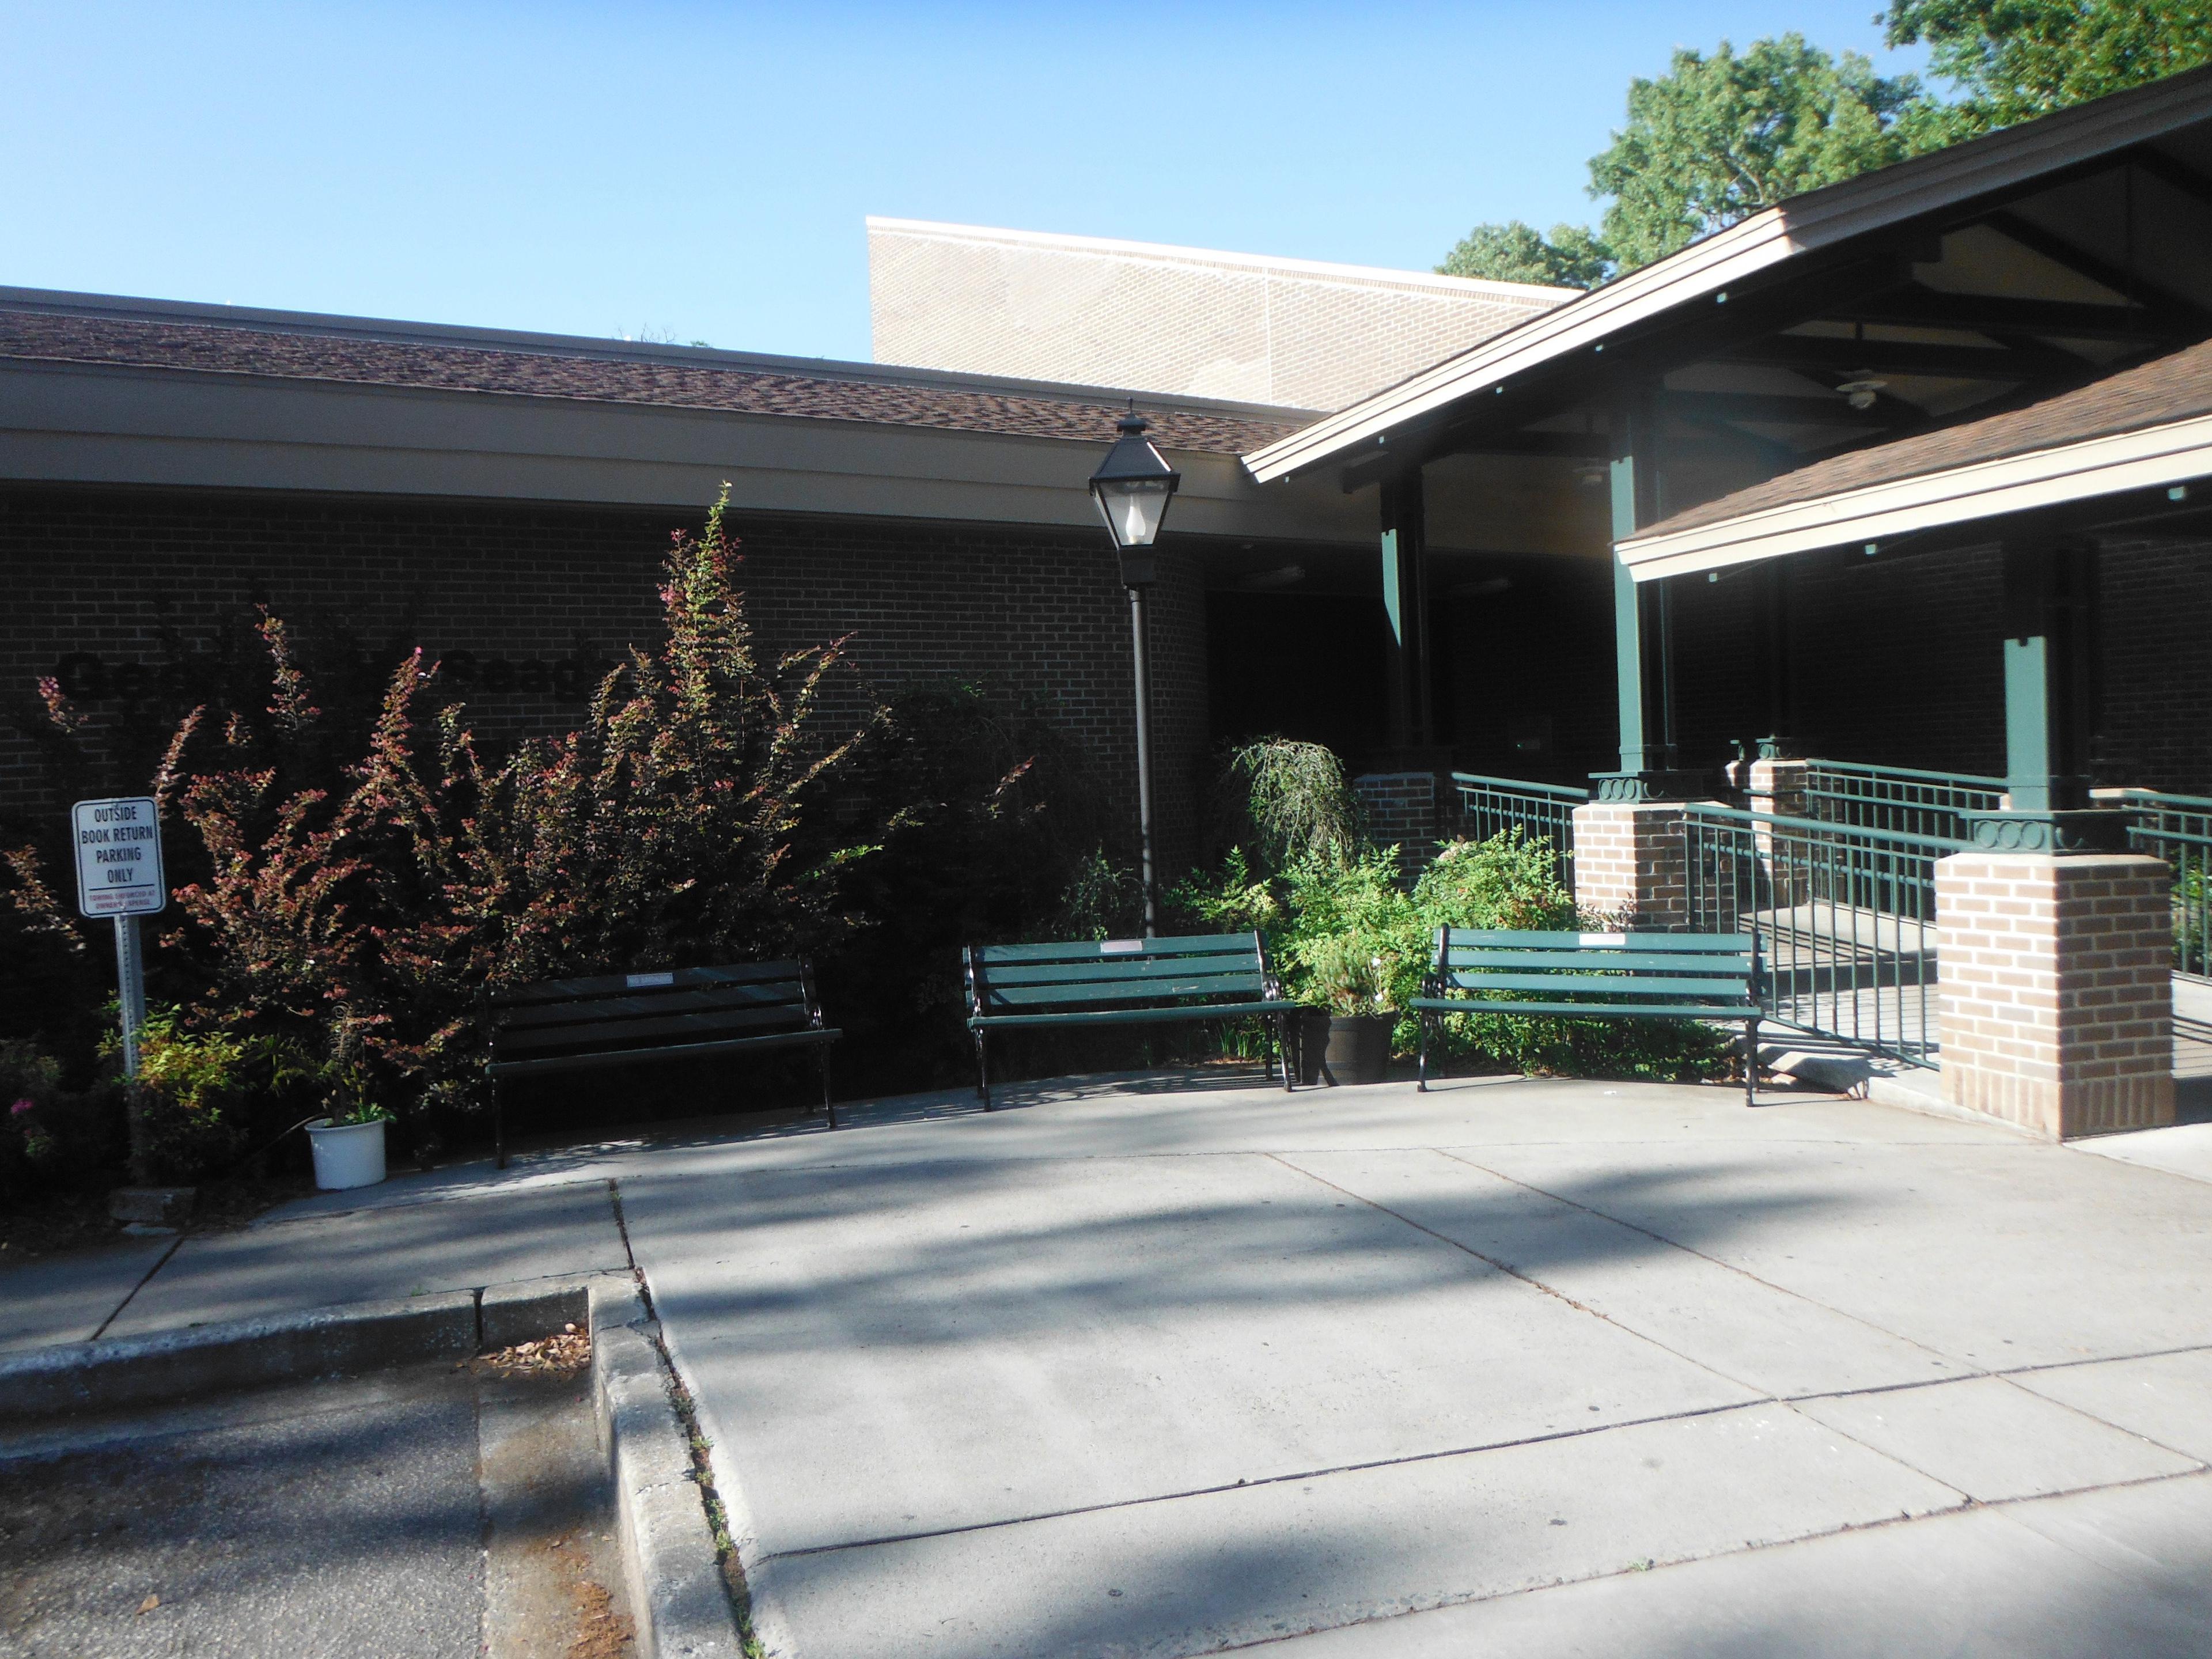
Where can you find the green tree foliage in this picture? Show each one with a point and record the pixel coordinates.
(1717, 138)
(2012, 60)
(1516, 251)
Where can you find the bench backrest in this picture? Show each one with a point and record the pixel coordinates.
(1118, 973)
(653, 1009)
(1715, 970)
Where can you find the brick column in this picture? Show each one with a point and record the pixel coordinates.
(2056, 989)
(1777, 787)
(1629, 864)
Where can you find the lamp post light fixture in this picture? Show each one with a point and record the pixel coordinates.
(1133, 486)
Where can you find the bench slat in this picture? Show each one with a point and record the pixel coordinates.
(1650, 961)
(1652, 1010)
(602, 1033)
(680, 979)
(676, 1051)
(775, 995)
(1047, 996)
(1638, 941)
(1136, 950)
(1564, 984)
(1134, 970)
(1134, 1016)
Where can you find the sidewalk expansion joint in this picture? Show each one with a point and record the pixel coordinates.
(1411, 1458)
(1534, 1283)
(1725, 1266)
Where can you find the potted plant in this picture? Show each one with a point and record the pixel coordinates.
(348, 1140)
(1351, 933)
(1353, 985)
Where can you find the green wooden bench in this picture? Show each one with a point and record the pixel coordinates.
(675, 1013)
(1124, 982)
(1710, 976)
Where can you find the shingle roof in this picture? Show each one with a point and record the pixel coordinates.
(661, 380)
(2173, 387)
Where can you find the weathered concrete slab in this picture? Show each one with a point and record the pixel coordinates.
(2166, 1398)
(2002, 1253)
(65, 1298)
(1993, 1441)
(1982, 1582)
(1191, 1575)
(890, 1351)
(2183, 1150)
(378, 1255)
(1739, 1326)
(327, 1521)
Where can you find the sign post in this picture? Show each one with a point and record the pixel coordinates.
(119, 875)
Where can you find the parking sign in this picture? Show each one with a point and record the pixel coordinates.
(118, 857)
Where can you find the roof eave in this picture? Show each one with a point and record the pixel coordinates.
(1819, 220)
(2162, 456)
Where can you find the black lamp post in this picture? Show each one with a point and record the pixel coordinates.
(1131, 487)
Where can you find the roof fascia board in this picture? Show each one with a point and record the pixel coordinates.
(1950, 179)
(2175, 452)
(105, 424)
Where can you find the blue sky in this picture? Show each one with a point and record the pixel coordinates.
(703, 170)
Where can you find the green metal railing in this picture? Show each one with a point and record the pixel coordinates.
(1897, 799)
(1492, 807)
(1846, 916)
(2178, 828)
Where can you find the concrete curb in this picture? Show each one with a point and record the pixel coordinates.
(237, 1353)
(677, 1591)
(771, 1630)
(244, 1353)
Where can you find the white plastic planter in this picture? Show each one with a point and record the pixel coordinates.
(347, 1154)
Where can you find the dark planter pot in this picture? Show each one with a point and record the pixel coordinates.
(1360, 1047)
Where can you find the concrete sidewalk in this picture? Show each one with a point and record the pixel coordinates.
(1153, 1374)
(1166, 1365)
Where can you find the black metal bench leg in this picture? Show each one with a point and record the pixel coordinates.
(1281, 1034)
(829, 1105)
(498, 1124)
(1751, 1062)
(1422, 1022)
(983, 1071)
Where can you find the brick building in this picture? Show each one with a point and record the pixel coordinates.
(505, 500)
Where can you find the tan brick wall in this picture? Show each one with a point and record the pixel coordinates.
(1629, 864)
(2056, 989)
(1184, 320)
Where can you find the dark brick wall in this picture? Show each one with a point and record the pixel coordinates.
(1901, 662)
(534, 593)
(2158, 666)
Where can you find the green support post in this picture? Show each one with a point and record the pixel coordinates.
(1643, 682)
(2051, 675)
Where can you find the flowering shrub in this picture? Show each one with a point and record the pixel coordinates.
(358, 911)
